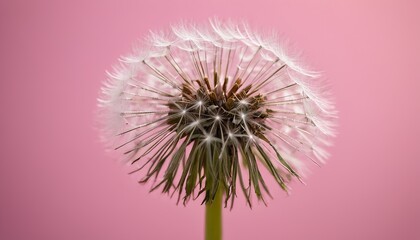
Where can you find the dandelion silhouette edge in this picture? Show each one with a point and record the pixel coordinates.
(199, 108)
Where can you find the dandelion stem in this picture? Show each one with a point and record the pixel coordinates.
(213, 222)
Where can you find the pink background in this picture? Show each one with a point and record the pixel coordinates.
(57, 182)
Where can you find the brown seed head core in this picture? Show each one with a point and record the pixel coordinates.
(229, 106)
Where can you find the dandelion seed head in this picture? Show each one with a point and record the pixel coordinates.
(201, 98)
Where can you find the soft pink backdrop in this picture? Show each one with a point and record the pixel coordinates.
(56, 181)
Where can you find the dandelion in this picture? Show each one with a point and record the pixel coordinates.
(208, 111)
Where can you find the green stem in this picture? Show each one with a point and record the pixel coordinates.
(214, 217)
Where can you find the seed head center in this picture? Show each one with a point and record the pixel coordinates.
(236, 109)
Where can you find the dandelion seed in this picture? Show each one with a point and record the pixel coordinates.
(204, 104)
